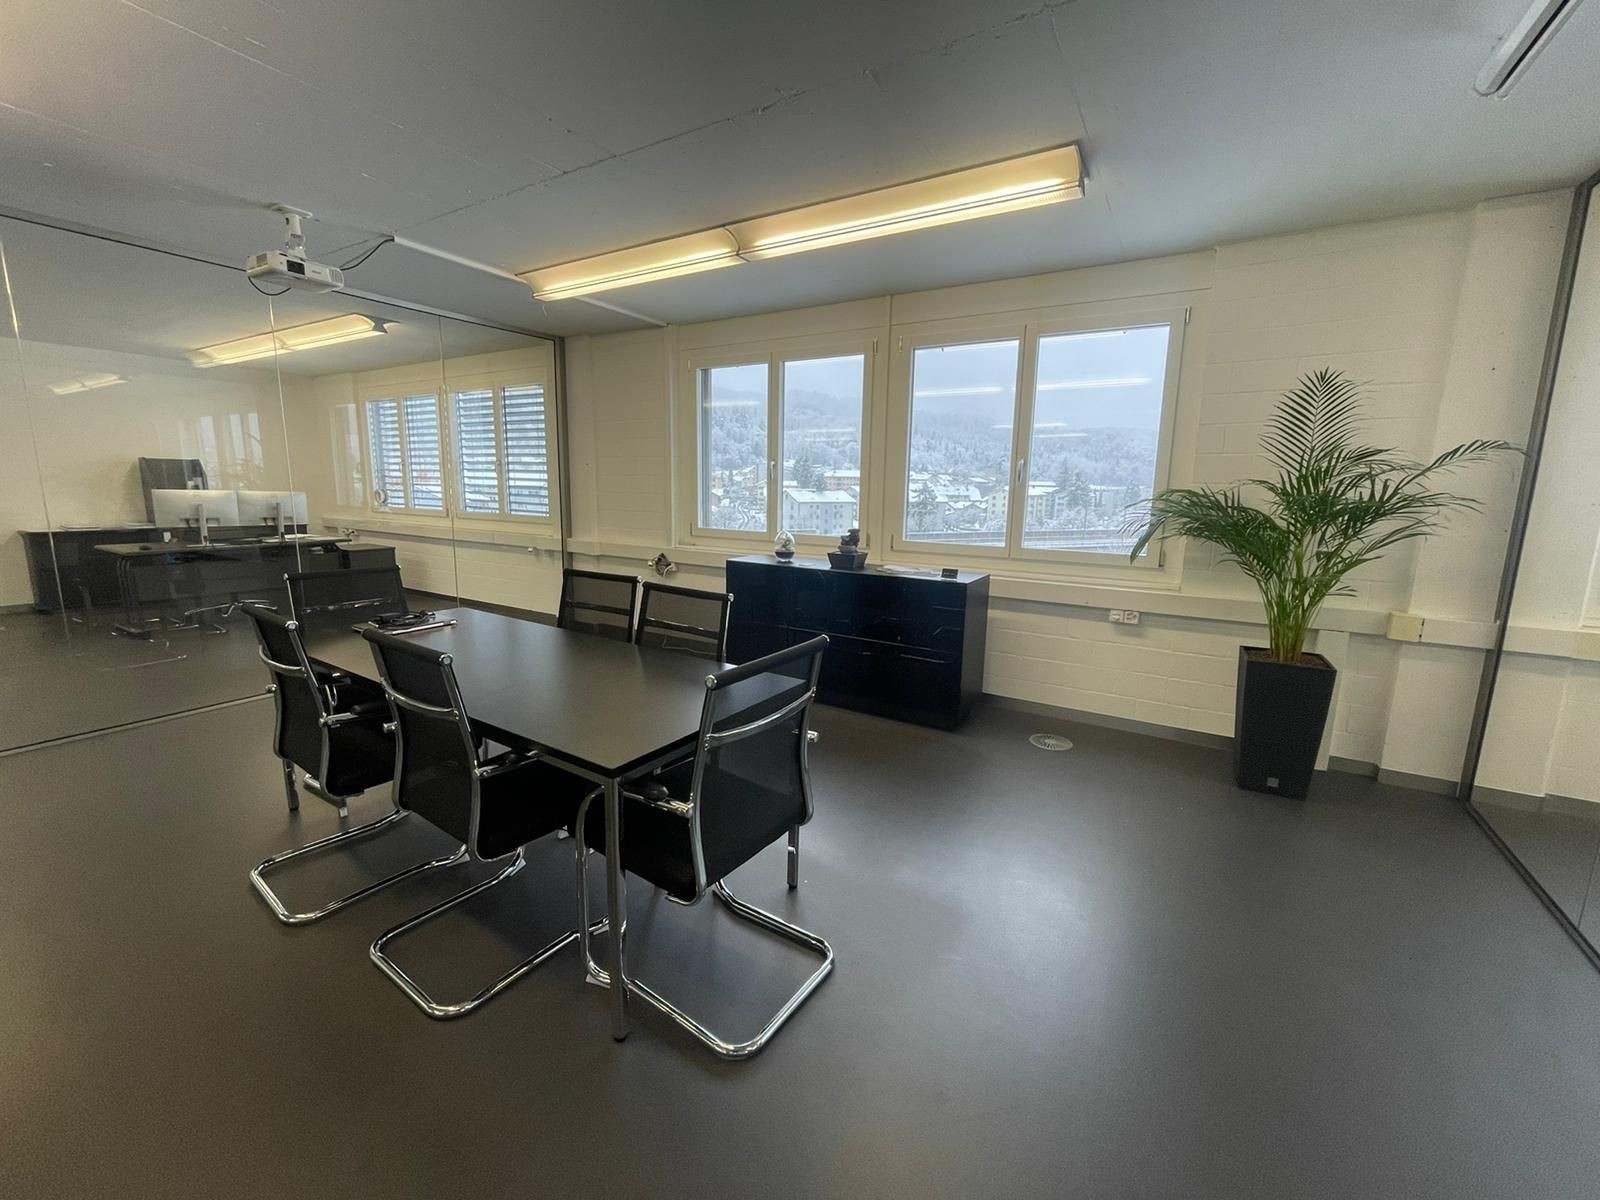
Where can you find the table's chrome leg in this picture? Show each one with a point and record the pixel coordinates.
(616, 908)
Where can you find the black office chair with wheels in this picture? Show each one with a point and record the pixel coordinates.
(343, 748)
(339, 599)
(689, 828)
(679, 618)
(495, 806)
(598, 603)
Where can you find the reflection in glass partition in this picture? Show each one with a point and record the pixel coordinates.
(161, 468)
(503, 467)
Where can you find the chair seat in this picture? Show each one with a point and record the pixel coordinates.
(657, 844)
(525, 803)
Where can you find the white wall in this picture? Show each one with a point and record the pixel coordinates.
(1441, 316)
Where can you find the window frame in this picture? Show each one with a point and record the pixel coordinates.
(497, 382)
(773, 353)
(398, 394)
(1027, 332)
(443, 393)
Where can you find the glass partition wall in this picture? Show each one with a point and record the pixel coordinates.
(173, 442)
(1537, 783)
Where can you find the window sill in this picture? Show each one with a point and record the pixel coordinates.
(480, 531)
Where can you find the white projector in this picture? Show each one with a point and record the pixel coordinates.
(276, 266)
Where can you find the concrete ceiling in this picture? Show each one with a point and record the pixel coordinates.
(523, 134)
(85, 306)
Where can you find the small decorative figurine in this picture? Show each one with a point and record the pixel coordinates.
(849, 556)
(783, 545)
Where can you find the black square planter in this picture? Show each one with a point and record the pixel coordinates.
(1279, 711)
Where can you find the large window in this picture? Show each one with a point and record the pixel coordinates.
(821, 454)
(734, 463)
(407, 453)
(958, 485)
(1039, 444)
(778, 440)
(503, 451)
(500, 440)
(1094, 437)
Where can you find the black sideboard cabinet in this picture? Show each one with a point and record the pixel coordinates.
(901, 644)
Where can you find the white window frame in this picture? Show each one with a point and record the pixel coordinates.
(497, 382)
(400, 393)
(773, 354)
(443, 395)
(1027, 331)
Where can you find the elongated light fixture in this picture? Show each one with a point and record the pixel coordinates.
(86, 383)
(686, 255)
(349, 328)
(1517, 50)
(1046, 177)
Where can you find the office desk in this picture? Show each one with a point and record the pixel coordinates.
(608, 711)
(224, 567)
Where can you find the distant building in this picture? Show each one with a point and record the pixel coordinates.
(841, 478)
(1043, 503)
(808, 510)
(1107, 497)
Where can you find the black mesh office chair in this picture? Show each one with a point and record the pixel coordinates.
(677, 618)
(342, 747)
(340, 599)
(689, 828)
(496, 806)
(594, 602)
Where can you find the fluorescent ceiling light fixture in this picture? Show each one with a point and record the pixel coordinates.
(1046, 177)
(349, 328)
(687, 255)
(86, 383)
(1518, 49)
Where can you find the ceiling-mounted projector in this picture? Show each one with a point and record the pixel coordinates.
(290, 266)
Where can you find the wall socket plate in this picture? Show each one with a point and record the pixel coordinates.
(1124, 616)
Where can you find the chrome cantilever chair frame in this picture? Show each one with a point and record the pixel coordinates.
(689, 810)
(481, 770)
(327, 721)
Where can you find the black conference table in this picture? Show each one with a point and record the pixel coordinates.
(606, 710)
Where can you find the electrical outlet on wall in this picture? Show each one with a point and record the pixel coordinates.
(1115, 614)
(1130, 616)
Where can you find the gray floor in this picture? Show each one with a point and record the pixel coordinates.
(1105, 973)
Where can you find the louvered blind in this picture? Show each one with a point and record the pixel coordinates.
(476, 451)
(526, 451)
(424, 453)
(388, 468)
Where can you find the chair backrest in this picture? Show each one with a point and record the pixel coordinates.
(300, 702)
(436, 755)
(328, 599)
(594, 602)
(677, 618)
(750, 784)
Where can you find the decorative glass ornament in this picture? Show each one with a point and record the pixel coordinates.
(783, 545)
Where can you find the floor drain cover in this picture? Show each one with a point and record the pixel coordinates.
(1051, 741)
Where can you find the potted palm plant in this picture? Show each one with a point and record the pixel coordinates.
(1333, 505)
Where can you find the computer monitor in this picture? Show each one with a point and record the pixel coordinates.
(176, 508)
(266, 507)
